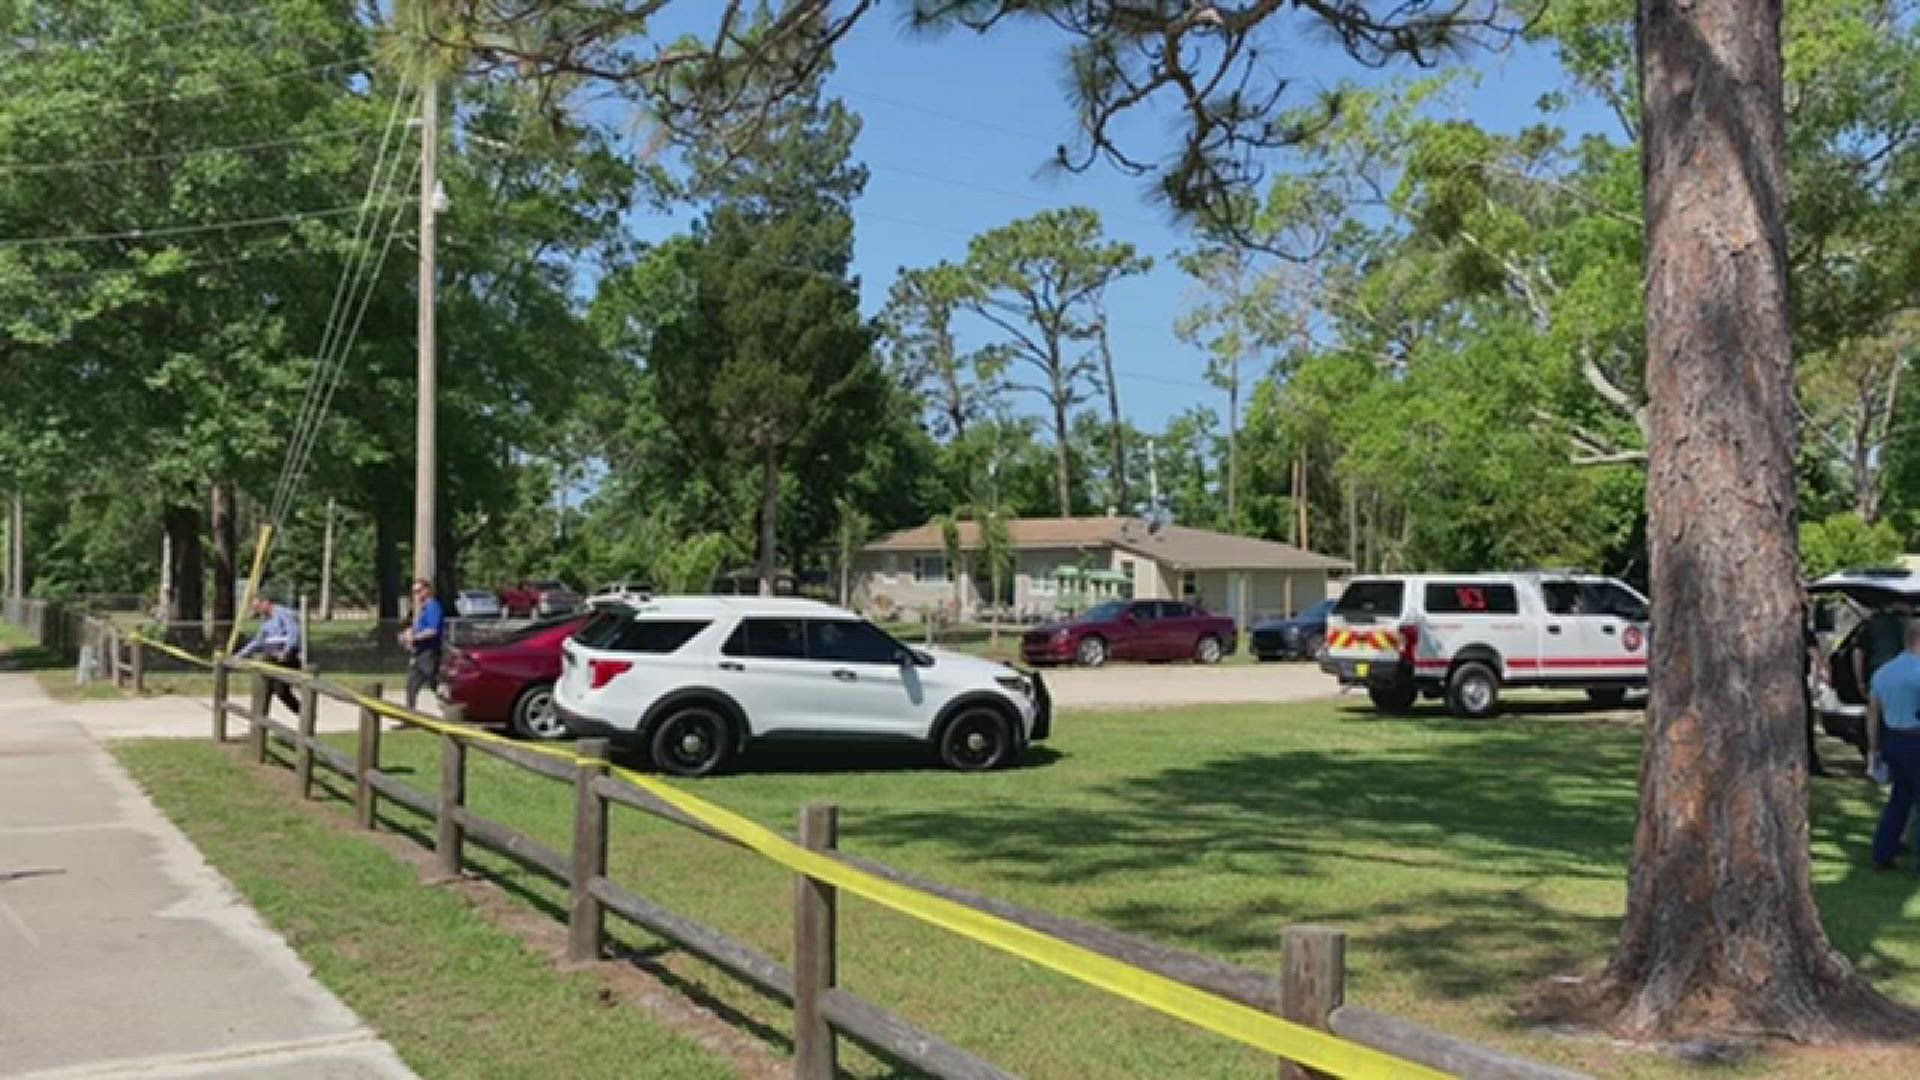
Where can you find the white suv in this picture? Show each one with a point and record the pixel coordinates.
(691, 679)
(1464, 637)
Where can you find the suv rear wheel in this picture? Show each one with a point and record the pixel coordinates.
(1207, 650)
(1473, 691)
(1607, 697)
(976, 740)
(1395, 698)
(692, 741)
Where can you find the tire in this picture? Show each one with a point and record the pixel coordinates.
(1394, 699)
(695, 740)
(1207, 650)
(1610, 697)
(1312, 646)
(976, 740)
(1092, 651)
(533, 716)
(1473, 691)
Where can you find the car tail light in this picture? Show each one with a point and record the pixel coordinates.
(605, 671)
(1409, 641)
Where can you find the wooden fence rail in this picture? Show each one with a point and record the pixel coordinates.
(1310, 989)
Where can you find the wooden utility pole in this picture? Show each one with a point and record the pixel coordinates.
(326, 568)
(425, 440)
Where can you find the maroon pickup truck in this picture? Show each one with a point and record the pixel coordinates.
(1133, 630)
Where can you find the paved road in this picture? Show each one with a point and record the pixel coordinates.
(121, 952)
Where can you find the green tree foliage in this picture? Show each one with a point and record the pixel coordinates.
(1039, 281)
(1847, 541)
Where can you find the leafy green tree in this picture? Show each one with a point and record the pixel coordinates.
(1845, 541)
(959, 386)
(1039, 281)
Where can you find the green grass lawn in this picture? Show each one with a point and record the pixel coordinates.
(1467, 861)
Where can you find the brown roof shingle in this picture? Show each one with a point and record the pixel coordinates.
(1175, 545)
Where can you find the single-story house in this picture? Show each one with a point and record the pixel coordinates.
(1064, 565)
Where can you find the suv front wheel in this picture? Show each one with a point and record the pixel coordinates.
(976, 740)
(692, 741)
(1473, 691)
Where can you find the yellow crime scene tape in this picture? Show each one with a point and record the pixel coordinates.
(1222, 1016)
(178, 654)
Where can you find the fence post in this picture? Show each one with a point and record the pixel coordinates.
(365, 807)
(137, 660)
(303, 745)
(814, 950)
(257, 735)
(219, 698)
(586, 923)
(447, 838)
(1313, 983)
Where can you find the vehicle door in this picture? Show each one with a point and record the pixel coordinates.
(870, 691)
(1477, 614)
(1177, 631)
(1567, 637)
(1135, 633)
(763, 665)
(1619, 618)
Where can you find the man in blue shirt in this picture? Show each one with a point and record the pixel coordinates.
(1896, 706)
(425, 638)
(278, 643)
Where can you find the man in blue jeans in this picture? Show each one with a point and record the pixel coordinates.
(1895, 705)
(424, 638)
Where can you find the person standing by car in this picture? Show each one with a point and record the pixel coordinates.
(1882, 638)
(277, 642)
(424, 639)
(1895, 706)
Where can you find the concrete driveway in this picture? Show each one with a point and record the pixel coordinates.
(1154, 686)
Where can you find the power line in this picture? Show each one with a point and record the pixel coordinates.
(154, 31)
(178, 230)
(102, 101)
(135, 159)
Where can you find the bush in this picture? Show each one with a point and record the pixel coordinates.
(1846, 540)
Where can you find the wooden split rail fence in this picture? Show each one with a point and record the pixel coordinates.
(1310, 990)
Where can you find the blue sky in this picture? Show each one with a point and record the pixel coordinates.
(958, 130)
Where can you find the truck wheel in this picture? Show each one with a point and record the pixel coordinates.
(1607, 697)
(1473, 691)
(1207, 650)
(1394, 699)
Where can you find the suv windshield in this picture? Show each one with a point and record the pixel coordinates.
(1365, 601)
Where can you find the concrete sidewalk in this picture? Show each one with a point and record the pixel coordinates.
(180, 716)
(122, 953)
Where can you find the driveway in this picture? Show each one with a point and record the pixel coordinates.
(1154, 686)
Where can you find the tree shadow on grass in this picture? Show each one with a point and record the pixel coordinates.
(29, 658)
(1515, 800)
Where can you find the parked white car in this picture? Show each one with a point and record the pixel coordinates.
(1465, 637)
(476, 604)
(693, 679)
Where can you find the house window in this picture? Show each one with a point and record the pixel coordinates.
(1041, 585)
(1189, 584)
(1126, 567)
(930, 569)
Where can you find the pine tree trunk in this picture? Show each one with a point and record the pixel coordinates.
(1233, 450)
(769, 520)
(224, 548)
(1721, 934)
(1062, 461)
(187, 573)
(1117, 432)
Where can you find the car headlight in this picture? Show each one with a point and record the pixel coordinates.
(1019, 684)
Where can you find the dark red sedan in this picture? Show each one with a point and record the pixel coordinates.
(1133, 630)
(511, 681)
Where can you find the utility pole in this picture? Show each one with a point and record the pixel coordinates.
(326, 569)
(426, 453)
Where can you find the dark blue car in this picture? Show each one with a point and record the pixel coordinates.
(1300, 637)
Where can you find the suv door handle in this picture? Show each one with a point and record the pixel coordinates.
(1553, 629)
(729, 665)
(1608, 629)
(844, 675)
